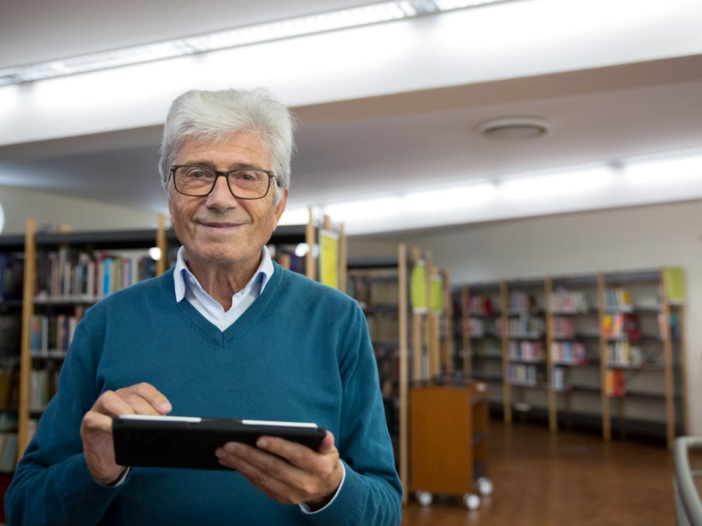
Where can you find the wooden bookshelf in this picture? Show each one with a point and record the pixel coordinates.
(584, 359)
(381, 286)
(419, 337)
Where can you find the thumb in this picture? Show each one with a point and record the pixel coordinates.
(327, 445)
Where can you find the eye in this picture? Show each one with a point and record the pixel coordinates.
(197, 173)
(246, 176)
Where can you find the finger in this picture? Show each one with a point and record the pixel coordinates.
(327, 445)
(297, 454)
(139, 404)
(94, 421)
(273, 476)
(111, 404)
(152, 396)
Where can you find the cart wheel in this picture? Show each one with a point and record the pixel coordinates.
(424, 498)
(485, 486)
(472, 502)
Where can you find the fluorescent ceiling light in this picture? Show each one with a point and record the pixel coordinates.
(540, 186)
(295, 27)
(295, 216)
(664, 170)
(365, 209)
(458, 197)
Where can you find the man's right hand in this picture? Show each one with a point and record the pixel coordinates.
(96, 428)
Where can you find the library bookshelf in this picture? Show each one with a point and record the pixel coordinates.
(62, 274)
(407, 303)
(604, 350)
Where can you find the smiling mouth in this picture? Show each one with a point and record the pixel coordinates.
(220, 225)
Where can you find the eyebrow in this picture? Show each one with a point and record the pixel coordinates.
(235, 166)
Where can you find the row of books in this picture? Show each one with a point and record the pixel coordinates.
(521, 302)
(524, 374)
(54, 332)
(474, 327)
(558, 375)
(615, 384)
(388, 372)
(373, 292)
(526, 326)
(618, 299)
(564, 327)
(10, 334)
(11, 276)
(481, 305)
(43, 384)
(8, 452)
(67, 275)
(621, 325)
(383, 327)
(568, 301)
(526, 350)
(290, 261)
(624, 354)
(9, 387)
(569, 352)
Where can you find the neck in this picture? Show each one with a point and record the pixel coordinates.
(222, 281)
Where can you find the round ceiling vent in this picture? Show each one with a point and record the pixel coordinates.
(512, 129)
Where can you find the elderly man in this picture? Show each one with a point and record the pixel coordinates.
(226, 333)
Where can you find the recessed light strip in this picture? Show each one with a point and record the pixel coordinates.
(295, 27)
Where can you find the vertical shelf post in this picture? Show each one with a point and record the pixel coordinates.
(161, 244)
(25, 354)
(504, 321)
(668, 361)
(404, 364)
(466, 351)
(343, 259)
(552, 401)
(606, 420)
(683, 371)
(310, 240)
(416, 330)
(448, 316)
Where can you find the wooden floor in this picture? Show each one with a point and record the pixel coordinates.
(563, 479)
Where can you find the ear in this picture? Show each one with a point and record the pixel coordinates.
(280, 207)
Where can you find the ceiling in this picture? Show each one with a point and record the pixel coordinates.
(352, 147)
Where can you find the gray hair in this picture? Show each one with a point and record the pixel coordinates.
(216, 115)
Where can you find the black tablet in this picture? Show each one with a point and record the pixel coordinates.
(187, 442)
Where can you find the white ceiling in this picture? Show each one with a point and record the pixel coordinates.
(351, 147)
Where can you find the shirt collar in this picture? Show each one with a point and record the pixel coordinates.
(183, 278)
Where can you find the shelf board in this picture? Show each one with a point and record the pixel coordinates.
(526, 337)
(372, 262)
(12, 243)
(381, 309)
(484, 314)
(537, 361)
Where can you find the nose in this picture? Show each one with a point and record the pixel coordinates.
(221, 197)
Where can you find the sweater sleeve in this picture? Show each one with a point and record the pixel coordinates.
(372, 493)
(52, 484)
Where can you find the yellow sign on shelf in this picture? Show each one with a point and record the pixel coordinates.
(674, 281)
(329, 258)
(436, 293)
(418, 288)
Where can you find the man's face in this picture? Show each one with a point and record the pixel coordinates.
(220, 229)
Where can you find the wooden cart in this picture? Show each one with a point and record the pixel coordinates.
(448, 442)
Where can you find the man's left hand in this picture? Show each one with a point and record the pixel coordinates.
(287, 472)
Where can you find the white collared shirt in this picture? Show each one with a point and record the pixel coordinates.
(188, 287)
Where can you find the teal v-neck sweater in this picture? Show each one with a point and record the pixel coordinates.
(300, 352)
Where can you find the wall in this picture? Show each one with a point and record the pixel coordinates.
(625, 239)
(50, 210)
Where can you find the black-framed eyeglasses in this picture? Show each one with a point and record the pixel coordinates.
(199, 181)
